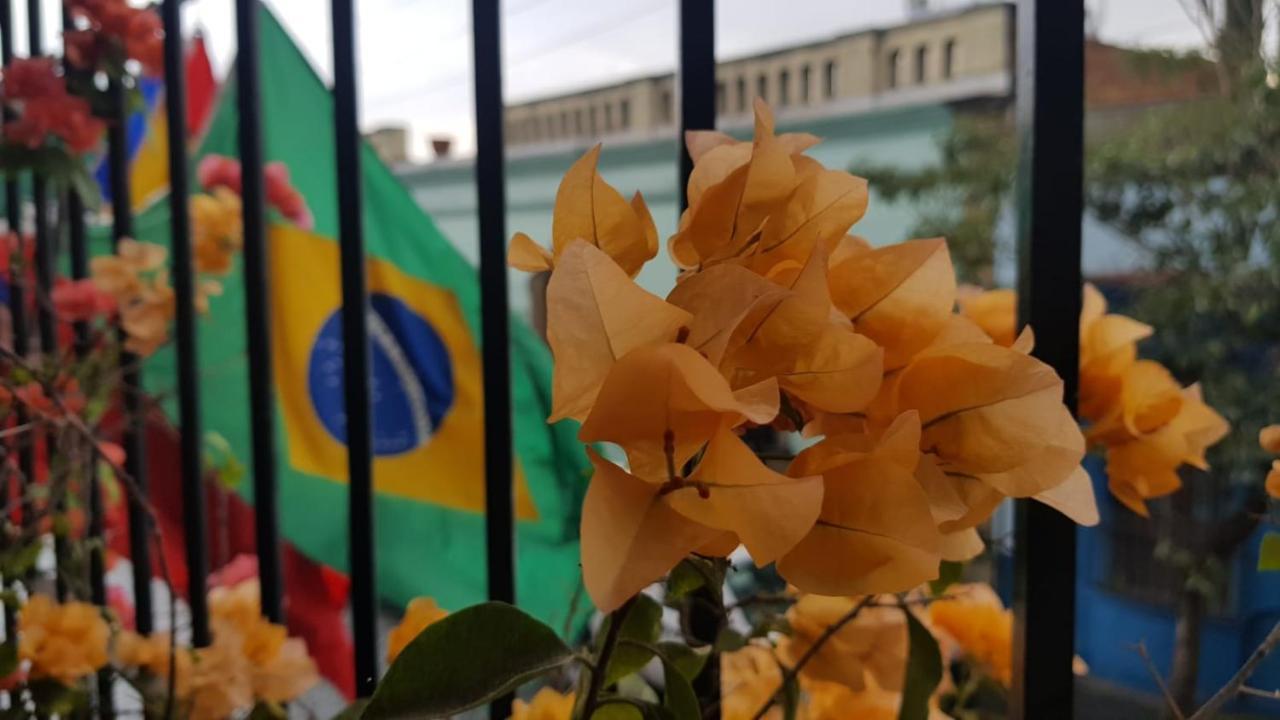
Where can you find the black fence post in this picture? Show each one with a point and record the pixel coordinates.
(355, 349)
(194, 524)
(696, 78)
(266, 513)
(135, 425)
(1049, 193)
(696, 81)
(45, 250)
(491, 205)
(17, 275)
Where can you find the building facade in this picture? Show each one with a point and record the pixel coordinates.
(939, 57)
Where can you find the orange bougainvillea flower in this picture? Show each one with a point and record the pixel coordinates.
(993, 416)
(749, 677)
(1145, 466)
(588, 208)
(900, 296)
(995, 311)
(873, 646)
(1273, 480)
(547, 704)
(755, 329)
(1108, 348)
(876, 532)
(972, 622)
(281, 668)
(596, 314)
(663, 405)
(65, 642)
(420, 613)
(1149, 398)
(1269, 439)
(216, 231)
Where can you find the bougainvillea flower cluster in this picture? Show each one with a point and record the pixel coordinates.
(919, 424)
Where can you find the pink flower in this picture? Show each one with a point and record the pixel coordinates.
(80, 300)
(219, 171)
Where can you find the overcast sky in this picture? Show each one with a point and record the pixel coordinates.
(416, 54)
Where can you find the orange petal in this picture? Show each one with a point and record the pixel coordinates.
(670, 388)
(588, 208)
(630, 537)
(900, 296)
(768, 511)
(1073, 498)
(595, 314)
(527, 255)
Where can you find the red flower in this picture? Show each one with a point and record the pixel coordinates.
(82, 48)
(80, 300)
(144, 41)
(221, 171)
(28, 78)
(112, 452)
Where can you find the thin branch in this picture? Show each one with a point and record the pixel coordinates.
(1237, 681)
(602, 664)
(1141, 649)
(789, 676)
(1259, 692)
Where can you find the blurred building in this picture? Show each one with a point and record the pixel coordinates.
(945, 56)
(391, 143)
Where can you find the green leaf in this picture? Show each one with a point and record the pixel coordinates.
(678, 695)
(466, 660)
(53, 698)
(1269, 553)
(924, 670)
(728, 640)
(267, 711)
(687, 660)
(8, 658)
(948, 574)
(684, 579)
(634, 687)
(622, 708)
(18, 561)
(640, 629)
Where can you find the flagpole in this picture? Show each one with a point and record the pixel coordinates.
(355, 350)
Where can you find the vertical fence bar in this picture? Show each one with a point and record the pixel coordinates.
(135, 463)
(40, 200)
(697, 78)
(697, 98)
(1049, 192)
(491, 205)
(17, 280)
(266, 512)
(355, 348)
(194, 525)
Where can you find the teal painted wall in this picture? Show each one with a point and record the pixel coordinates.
(905, 138)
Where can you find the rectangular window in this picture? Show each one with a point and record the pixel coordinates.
(665, 106)
(762, 87)
(720, 96)
(742, 94)
(829, 79)
(564, 123)
(892, 79)
(784, 88)
(624, 112)
(591, 121)
(922, 58)
(608, 117)
(805, 79)
(949, 59)
(577, 121)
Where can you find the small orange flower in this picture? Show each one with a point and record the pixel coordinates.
(418, 614)
(978, 626)
(547, 704)
(65, 642)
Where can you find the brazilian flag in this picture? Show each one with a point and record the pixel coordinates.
(426, 375)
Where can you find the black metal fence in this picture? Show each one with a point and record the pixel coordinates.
(1049, 187)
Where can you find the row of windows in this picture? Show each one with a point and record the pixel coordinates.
(778, 89)
(783, 97)
(589, 121)
(920, 67)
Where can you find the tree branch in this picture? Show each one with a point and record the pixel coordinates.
(1141, 649)
(1233, 687)
(790, 674)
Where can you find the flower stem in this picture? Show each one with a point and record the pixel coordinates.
(790, 675)
(602, 662)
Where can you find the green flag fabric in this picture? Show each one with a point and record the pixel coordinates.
(423, 548)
